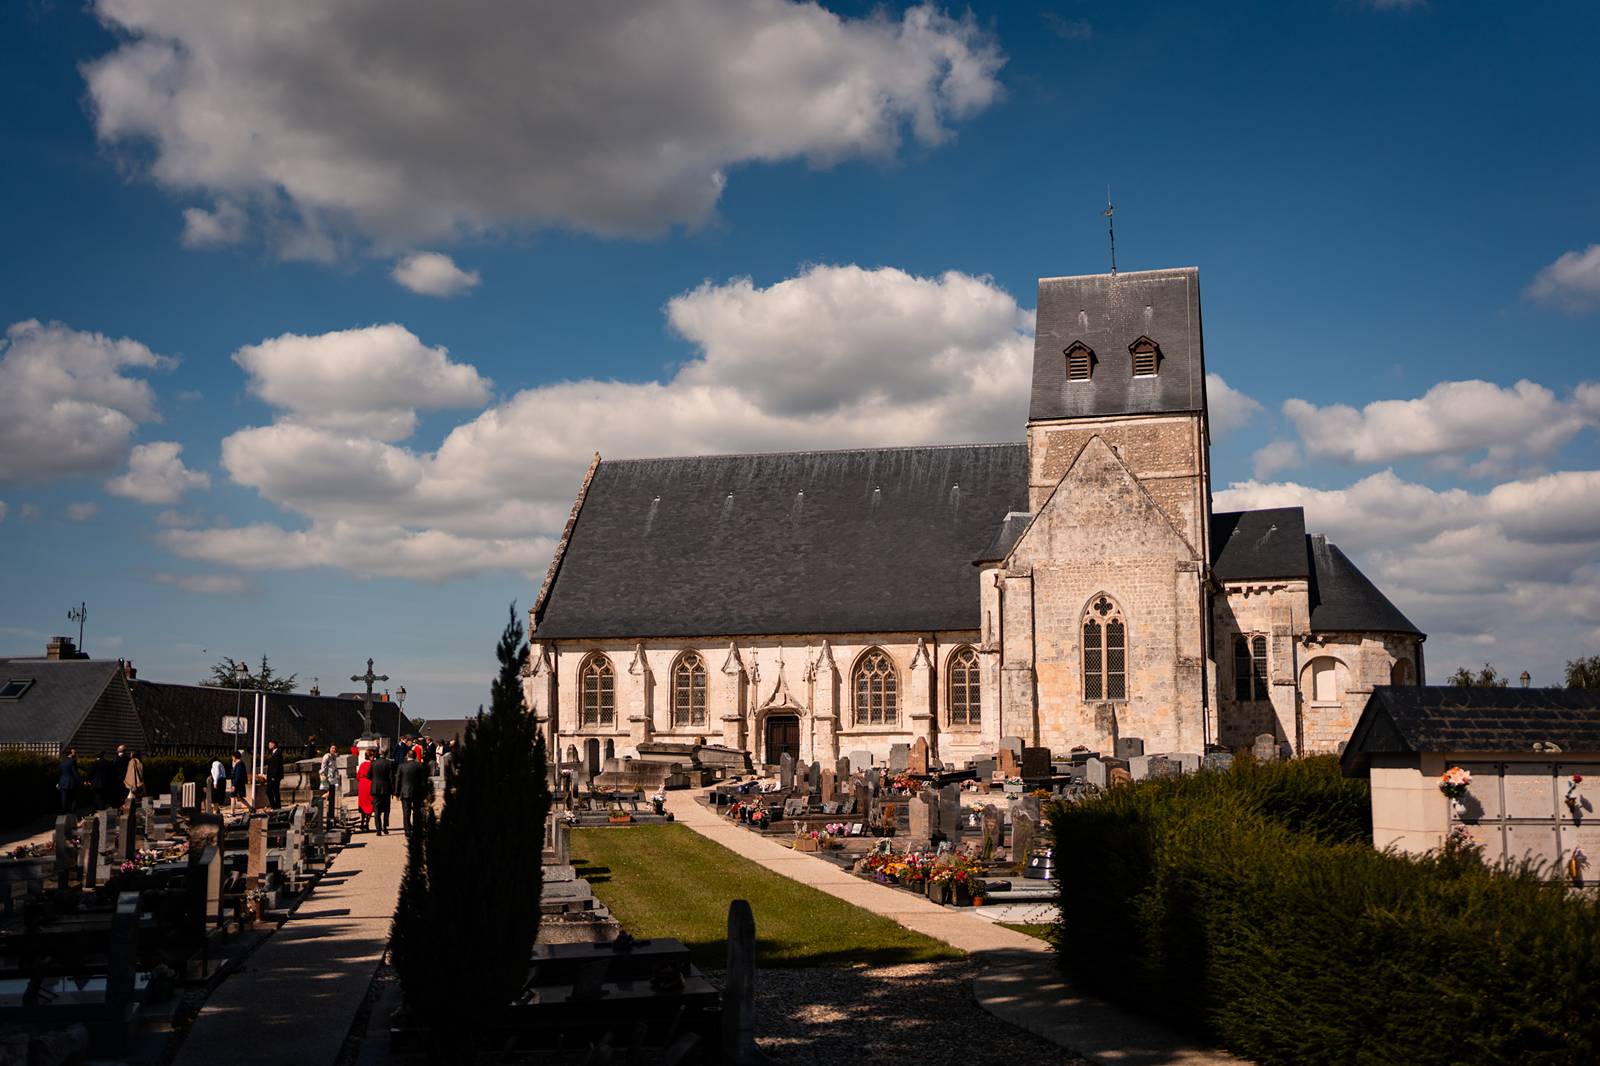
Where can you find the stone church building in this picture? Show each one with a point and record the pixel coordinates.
(1069, 589)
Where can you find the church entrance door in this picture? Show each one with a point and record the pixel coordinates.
(783, 735)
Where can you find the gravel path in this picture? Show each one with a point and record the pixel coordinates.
(920, 1012)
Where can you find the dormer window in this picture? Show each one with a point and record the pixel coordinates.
(1146, 355)
(1080, 362)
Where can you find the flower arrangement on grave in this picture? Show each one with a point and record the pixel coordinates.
(1455, 781)
(1040, 793)
(33, 851)
(1572, 793)
(906, 785)
(835, 829)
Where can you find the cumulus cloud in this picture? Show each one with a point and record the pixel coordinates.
(1229, 408)
(203, 584)
(905, 359)
(67, 402)
(1512, 573)
(1279, 455)
(226, 223)
(433, 274)
(156, 474)
(370, 380)
(1450, 423)
(616, 118)
(1572, 282)
(82, 512)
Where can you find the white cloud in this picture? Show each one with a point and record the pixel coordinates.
(1276, 456)
(203, 584)
(370, 380)
(429, 120)
(1451, 422)
(1511, 573)
(82, 512)
(156, 474)
(1229, 409)
(67, 405)
(433, 274)
(902, 359)
(224, 224)
(1572, 282)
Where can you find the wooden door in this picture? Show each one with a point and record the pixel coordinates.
(783, 735)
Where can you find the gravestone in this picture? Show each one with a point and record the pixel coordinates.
(899, 758)
(841, 769)
(127, 843)
(924, 817)
(563, 842)
(1012, 744)
(147, 819)
(256, 860)
(993, 829)
(1265, 748)
(210, 859)
(1128, 747)
(61, 846)
(1023, 828)
(794, 808)
(860, 760)
(829, 788)
(874, 780)
(1161, 766)
(1219, 760)
(187, 795)
(1010, 763)
(1139, 766)
(786, 772)
(294, 842)
(1188, 761)
(814, 777)
(1096, 773)
(919, 756)
(863, 798)
(739, 998)
(950, 812)
(89, 852)
(121, 959)
(985, 767)
(1120, 776)
(1035, 762)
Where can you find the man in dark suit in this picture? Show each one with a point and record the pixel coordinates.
(274, 774)
(382, 788)
(411, 784)
(239, 780)
(102, 780)
(67, 783)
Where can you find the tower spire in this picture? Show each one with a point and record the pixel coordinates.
(1111, 229)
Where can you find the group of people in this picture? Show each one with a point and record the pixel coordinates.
(403, 774)
(112, 782)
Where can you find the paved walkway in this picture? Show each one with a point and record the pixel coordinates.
(1022, 983)
(294, 999)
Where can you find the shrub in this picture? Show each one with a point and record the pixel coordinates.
(27, 786)
(1250, 906)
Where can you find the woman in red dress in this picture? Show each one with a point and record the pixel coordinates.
(364, 789)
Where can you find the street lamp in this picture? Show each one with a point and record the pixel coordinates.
(241, 674)
(400, 702)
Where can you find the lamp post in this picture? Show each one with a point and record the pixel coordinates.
(399, 714)
(241, 674)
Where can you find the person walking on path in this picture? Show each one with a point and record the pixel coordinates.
(133, 779)
(382, 789)
(364, 789)
(240, 782)
(411, 784)
(218, 780)
(121, 772)
(67, 782)
(274, 774)
(102, 780)
(328, 781)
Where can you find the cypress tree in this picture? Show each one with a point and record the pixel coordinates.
(468, 911)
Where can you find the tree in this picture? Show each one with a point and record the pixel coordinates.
(1488, 677)
(224, 674)
(468, 911)
(1584, 672)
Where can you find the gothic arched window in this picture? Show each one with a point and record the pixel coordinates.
(877, 691)
(962, 688)
(1105, 650)
(1250, 667)
(689, 690)
(597, 692)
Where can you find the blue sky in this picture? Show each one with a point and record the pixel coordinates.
(1383, 199)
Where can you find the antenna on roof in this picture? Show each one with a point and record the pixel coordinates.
(1111, 229)
(78, 614)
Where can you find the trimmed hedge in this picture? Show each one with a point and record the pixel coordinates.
(28, 782)
(1249, 906)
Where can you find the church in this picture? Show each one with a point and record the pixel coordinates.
(1070, 589)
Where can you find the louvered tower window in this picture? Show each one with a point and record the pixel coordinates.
(1080, 362)
(1146, 355)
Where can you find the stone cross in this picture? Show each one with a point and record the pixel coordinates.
(366, 704)
(919, 757)
(739, 1001)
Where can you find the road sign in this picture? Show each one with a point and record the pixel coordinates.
(231, 724)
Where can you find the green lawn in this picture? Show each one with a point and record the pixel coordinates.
(669, 881)
(1041, 930)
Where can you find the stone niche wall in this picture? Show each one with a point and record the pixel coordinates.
(1164, 452)
(1101, 532)
(1362, 660)
(1278, 611)
(750, 678)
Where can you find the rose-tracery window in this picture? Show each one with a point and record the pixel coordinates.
(877, 701)
(1250, 667)
(689, 690)
(962, 690)
(597, 699)
(1105, 651)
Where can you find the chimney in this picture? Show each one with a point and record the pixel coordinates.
(127, 669)
(61, 648)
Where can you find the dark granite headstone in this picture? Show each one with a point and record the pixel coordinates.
(786, 772)
(899, 757)
(1219, 760)
(814, 778)
(1128, 747)
(1035, 762)
(1161, 766)
(739, 996)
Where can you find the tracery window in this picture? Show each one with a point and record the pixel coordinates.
(962, 690)
(597, 692)
(1105, 650)
(689, 690)
(1250, 667)
(1146, 356)
(1080, 361)
(877, 690)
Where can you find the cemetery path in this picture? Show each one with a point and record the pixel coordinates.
(1019, 983)
(295, 998)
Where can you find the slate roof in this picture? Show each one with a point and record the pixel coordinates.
(1005, 538)
(1342, 598)
(63, 693)
(857, 541)
(1401, 719)
(190, 717)
(1258, 545)
(1108, 312)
